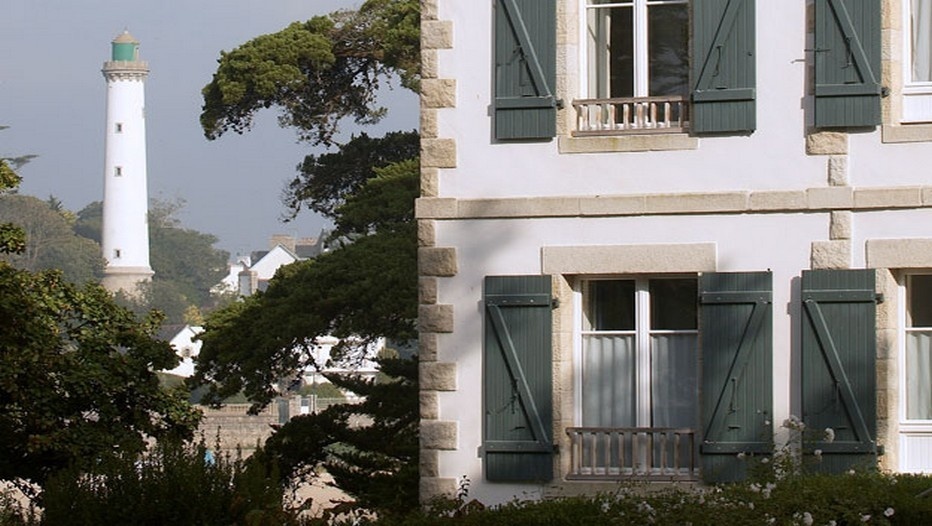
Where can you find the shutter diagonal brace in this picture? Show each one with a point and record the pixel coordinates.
(526, 399)
(704, 89)
(855, 51)
(527, 49)
(743, 354)
(832, 359)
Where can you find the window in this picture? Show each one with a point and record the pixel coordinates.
(637, 48)
(118, 171)
(118, 127)
(915, 427)
(639, 375)
(917, 88)
(637, 64)
(918, 368)
(116, 254)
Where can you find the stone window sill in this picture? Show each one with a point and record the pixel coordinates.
(628, 143)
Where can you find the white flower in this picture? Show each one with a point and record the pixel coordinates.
(865, 518)
(755, 487)
(829, 435)
(832, 523)
(817, 453)
(741, 455)
(764, 460)
(888, 512)
(766, 493)
(807, 519)
(851, 472)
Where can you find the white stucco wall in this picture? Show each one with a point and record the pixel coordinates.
(773, 158)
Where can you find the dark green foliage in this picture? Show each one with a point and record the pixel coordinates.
(317, 72)
(326, 180)
(173, 484)
(76, 377)
(322, 390)
(864, 498)
(375, 463)
(185, 262)
(90, 221)
(12, 237)
(50, 241)
(366, 289)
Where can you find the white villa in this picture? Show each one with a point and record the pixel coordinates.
(651, 231)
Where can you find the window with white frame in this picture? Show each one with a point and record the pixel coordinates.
(637, 66)
(917, 82)
(918, 363)
(637, 48)
(639, 353)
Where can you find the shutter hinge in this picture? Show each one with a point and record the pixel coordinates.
(559, 103)
(878, 298)
(884, 91)
(554, 303)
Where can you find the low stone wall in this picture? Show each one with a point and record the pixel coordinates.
(231, 427)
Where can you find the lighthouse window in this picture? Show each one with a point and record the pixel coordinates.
(118, 128)
(118, 171)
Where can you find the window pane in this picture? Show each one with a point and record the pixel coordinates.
(919, 375)
(673, 304)
(611, 51)
(920, 14)
(609, 393)
(920, 301)
(668, 49)
(611, 305)
(674, 380)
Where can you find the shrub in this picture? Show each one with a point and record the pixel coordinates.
(172, 484)
(855, 498)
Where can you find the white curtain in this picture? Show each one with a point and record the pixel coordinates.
(674, 382)
(921, 40)
(919, 375)
(609, 381)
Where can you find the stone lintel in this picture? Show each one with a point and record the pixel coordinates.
(629, 259)
(899, 253)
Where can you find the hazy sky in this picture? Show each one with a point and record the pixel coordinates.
(53, 98)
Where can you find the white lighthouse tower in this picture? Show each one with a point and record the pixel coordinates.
(125, 235)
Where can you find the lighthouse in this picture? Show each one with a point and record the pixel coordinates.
(125, 233)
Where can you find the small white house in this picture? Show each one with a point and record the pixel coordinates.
(324, 361)
(187, 347)
(651, 232)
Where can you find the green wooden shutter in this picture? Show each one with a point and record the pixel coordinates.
(525, 69)
(517, 379)
(838, 368)
(847, 63)
(723, 96)
(736, 339)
